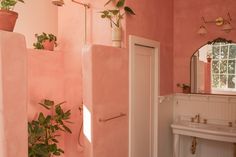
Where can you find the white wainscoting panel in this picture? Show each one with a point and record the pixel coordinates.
(216, 109)
(165, 119)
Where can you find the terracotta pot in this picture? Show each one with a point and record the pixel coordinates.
(48, 45)
(208, 59)
(116, 36)
(186, 90)
(8, 20)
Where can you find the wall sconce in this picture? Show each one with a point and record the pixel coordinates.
(220, 21)
(202, 30)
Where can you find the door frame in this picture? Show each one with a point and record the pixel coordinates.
(133, 41)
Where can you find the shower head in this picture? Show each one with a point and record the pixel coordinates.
(58, 2)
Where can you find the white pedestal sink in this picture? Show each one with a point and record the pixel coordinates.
(205, 131)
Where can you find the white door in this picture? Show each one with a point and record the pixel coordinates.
(142, 103)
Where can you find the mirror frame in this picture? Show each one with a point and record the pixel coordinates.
(219, 39)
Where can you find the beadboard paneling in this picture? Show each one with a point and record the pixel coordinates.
(217, 109)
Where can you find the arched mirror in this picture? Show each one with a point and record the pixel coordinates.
(213, 68)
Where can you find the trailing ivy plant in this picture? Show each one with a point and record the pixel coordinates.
(43, 132)
(117, 14)
(9, 4)
(43, 37)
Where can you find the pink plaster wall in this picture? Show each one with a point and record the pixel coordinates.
(70, 36)
(71, 40)
(154, 20)
(187, 19)
(71, 25)
(46, 78)
(13, 95)
(46, 81)
(54, 75)
(87, 93)
(106, 91)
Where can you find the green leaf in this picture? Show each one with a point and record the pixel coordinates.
(61, 103)
(57, 153)
(60, 150)
(48, 102)
(53, 147)
(120, 3)
(58, 110)
(105, 12)
(41, 103)
(67, 129)
(68, 113)
(41, 118)
(108, 2)
(129, 10)
(55, 140)
(114, 12)
(48, 119)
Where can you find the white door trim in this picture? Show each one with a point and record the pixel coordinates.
(134, 40)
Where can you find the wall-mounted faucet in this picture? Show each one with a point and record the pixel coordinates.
(197, 117)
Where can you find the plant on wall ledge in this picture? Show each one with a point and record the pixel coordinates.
(115, 16)
(185, 87)
(9, 4)
(43, 132)
(45, 41)
(7, 16)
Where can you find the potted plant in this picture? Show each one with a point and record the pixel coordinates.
(7, 16)
(209, 58)
(43, 132)
(115, 16)
(185, 87)
(45, 41)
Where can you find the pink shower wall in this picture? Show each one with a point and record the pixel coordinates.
(71, 27)
(154, 20)
(13, 95)
(45, 81)
(106, 96)
(187, 19)
(156, 24)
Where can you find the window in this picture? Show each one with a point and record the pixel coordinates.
(223, 73)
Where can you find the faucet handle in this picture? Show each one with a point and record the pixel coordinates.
(198, 118)
(192, 119)
(197, 115)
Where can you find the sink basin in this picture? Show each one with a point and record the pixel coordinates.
(207, 131)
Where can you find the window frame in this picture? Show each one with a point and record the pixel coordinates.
(218, 89)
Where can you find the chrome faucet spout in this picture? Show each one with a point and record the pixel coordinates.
(198, 118)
